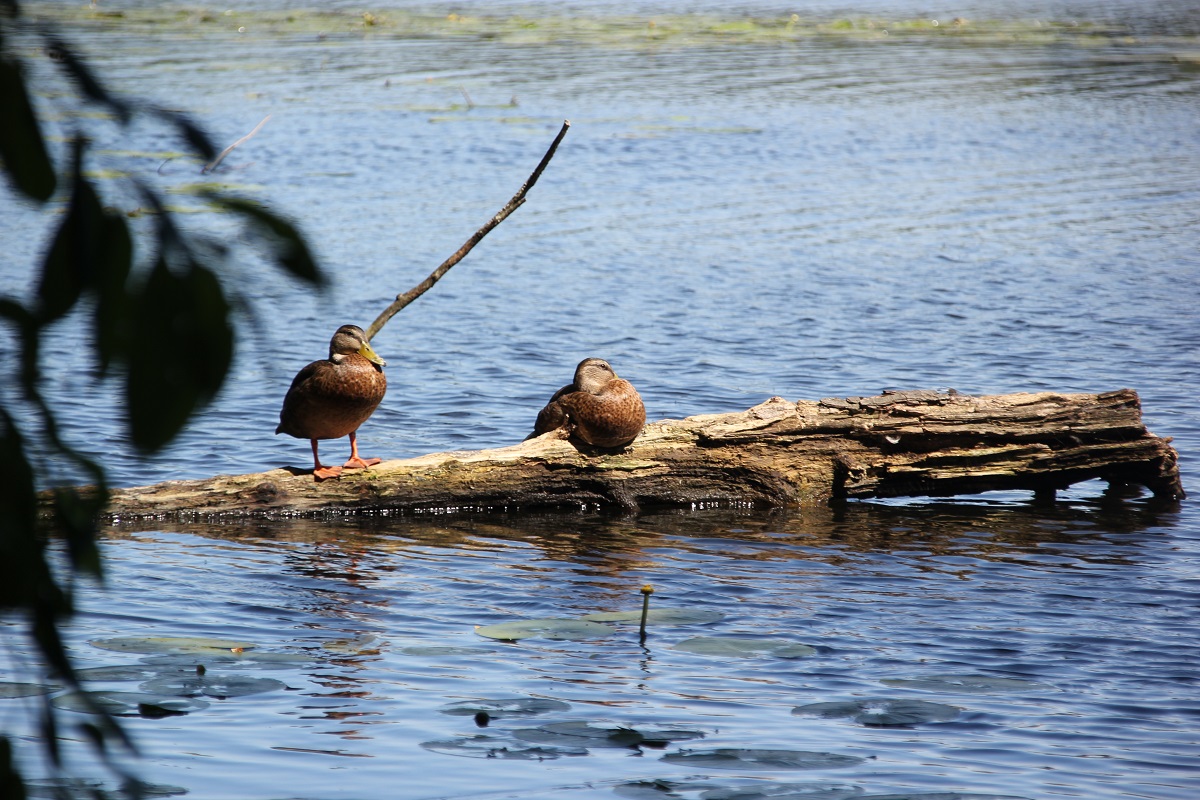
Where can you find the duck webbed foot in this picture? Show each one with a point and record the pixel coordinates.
(361, 463)
(325, 473)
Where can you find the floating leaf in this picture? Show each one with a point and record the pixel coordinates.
(211, 685)
(118, 672)
(753, 758)
(128, 704)
(170, 644)
(660, 616)
(437, 650)
(939, 796)
(881, 712)
(505, 707)
(10, 690)
(743, 647)
(966, 684)
(555, 628)
(762, 790)
(252, 659)
(588, 735)
(57, 788)
(488, 746)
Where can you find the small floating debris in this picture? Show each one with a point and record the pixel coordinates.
(744, 647)
(438, 650)
(553, 628)
(966, 684)
(754, 758)
(506, 707)
(736, 789)
(881, 712)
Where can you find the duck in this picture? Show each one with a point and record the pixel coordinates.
(597, 408)
(332, 398)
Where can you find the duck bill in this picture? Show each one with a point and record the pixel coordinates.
(370, 355)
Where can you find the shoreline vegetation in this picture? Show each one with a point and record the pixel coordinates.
(677, 30)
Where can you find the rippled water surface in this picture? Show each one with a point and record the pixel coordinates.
(728, 219)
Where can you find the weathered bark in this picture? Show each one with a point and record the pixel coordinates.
(777, 453)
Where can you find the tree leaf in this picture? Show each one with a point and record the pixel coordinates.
(22, 148)
(289, 249)
(179, 352)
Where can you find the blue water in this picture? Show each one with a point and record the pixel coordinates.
(724, 222)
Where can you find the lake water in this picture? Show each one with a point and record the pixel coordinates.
(730, 217)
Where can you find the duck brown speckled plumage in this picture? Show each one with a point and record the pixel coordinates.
(330, 399)
(599, 408)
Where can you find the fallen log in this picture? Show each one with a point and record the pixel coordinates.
(778, 453)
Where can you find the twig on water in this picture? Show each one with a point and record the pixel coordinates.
(512, 205)
(467, 97)
(213, 164)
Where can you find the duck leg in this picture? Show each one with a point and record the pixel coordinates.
(355, 461)
(321, 473)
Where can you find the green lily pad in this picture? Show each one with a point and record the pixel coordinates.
(255, 659)
(119, 672)
(86, 787)
(553, 628)
(438, 650)
(129, 704)
(505, 707)
(939, 796)
(744, 647)
(660, 616)
(584, 734)
(753, 758)
(738, 789)
(966, 684)
(881, 712)
(210, 684)
(8, 689)
(762, 790)
(487, 746)
(170, 644)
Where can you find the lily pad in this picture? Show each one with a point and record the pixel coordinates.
(939, 796)
(255, 659)
(129, 704)
(784, 791)
(170, 644)
(210, 685)
(120, 672)
(660, 616)
(754, 758)
(8, 689)
(744, 647)
(487, 746)
(881, 712)
(966, 684)
(554, 628)
(505, 707)
(584, 734)
(437, 650)
(84, 787)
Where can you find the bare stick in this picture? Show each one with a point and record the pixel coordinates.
(213, 165)
(512, 205)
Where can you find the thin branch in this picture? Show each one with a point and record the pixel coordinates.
(512, 205)
(213, 164)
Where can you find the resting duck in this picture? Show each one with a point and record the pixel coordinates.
(330, 399)
(599, 408)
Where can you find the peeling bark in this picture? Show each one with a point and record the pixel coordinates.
(778, 453)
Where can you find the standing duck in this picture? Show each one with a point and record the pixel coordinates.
(330, 399)
(599, 408)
